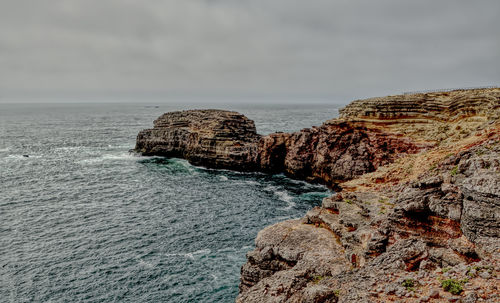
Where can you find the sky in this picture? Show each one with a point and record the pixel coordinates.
(245, 49)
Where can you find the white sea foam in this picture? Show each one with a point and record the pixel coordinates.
(144, 263)
(226, 249)
(271, 188)
(15, 157)
(12, 158)
(198, 253)
(3, 150)
(110, 157)
(283, 195)
(72, 148)
(223, 178)
(120, 146)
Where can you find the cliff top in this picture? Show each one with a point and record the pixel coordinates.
(443, 106)
(434, 117)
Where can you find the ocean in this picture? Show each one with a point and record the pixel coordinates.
(83, 220)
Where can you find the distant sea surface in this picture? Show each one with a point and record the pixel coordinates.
(82, 220)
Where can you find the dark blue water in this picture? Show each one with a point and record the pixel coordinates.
(83, 220)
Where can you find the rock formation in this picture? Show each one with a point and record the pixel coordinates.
(417, 213)
(423, 227)
(374, 241)
(212, 138)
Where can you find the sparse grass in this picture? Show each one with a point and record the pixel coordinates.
(386, 202)
(383, 200)
(336, 293)
(317, 279)
(445, 269)
(469, 271)
(454, 170)
(453, 286)
(409, 284)
(348, 201)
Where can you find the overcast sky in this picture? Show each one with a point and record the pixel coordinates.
(330, 49)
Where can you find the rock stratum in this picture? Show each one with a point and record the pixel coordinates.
(417, 213)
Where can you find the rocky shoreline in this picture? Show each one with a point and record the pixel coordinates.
(417, 213)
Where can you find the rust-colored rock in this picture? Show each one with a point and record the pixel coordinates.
(420, 175)
(437, 206)
(339, 151)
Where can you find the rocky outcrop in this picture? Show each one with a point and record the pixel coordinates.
(424, 227)
(339, 151)
(388, 245)
(334, 152)
(369, 134)
(444, 106)
(418, 205)
(212, 138)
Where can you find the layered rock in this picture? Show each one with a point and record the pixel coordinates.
(414, 224)
(444, 106)
(418, 178)
(212, 138)
(339, 151)
(374, 241)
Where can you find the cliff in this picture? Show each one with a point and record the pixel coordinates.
(417, 213)
(424, 218)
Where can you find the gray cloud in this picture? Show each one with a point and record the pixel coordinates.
(336, 49)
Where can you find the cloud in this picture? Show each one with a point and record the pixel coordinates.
(337, 49)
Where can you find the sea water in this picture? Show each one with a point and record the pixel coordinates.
(82, 219)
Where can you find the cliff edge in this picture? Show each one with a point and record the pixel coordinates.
(417, 213)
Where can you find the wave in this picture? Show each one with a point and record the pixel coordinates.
(3, 150)
(144, 263)
(191, 255)
(127, 146)
(17, 157)
(223, 178)
(111, 157)
(283, 195)
(72, 148)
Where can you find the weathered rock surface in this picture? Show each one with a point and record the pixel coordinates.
(367, 244)
(212, 138)
(369, 133)
(429, 216)
(420, 199)
(444, 106)
(339, 151)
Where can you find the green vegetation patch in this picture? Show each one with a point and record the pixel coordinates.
(317, 279)
(409, 284)
(453, 286)
(454, 171)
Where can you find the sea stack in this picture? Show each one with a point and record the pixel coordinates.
(210, 138)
